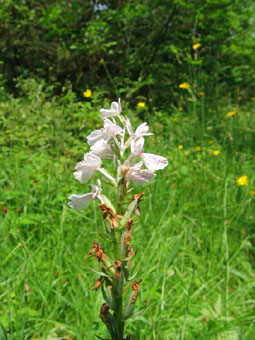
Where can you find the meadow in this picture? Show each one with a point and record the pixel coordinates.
(194, 241)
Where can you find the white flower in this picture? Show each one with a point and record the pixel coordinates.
(137, 146)
(142, 176)
(111, 129)
(88, 167)
(81, 201)
(142, 130)
(94, 136)
(115, 110)
(138, 175)
(154, 162)
(136, 139)
(102, 149)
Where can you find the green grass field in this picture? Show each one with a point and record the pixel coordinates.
(194, 241)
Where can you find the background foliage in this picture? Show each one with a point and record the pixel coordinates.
(195, 241)
(131, 48)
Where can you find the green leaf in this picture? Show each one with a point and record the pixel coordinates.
(138, 313)
(29, 311)
(26, 221)
(129, 307)
(99, 273)
(107, 295)
(134, 275)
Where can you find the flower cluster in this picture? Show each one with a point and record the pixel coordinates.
(111, 142)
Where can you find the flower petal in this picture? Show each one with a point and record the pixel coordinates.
(84, 173)
(119, 105)
(137, 166)
(114, 107)
(129, 127)
(106, 113)
(102, 149)
(94, 136)
(111, 129)
(137, 146)
(80, 201)
(143, 128)
(92, 160)
(154, 162)
(88, 167)
(142, 176)
(115, 110)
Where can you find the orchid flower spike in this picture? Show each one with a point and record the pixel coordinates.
(130, 163)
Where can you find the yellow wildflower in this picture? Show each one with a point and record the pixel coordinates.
(141, 104)
(239, 98)
(87, 93)
(186, 153)
(252, 192)
(180, 147)
(196, 46)
(198, 148)
(216, 152)
(243, 180)
(175, 119)
(248, 115)
(201, 93)
(230, 114)
(101, 61)
(185, 86)
(180, 109)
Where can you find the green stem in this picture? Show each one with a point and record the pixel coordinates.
(119, 283)
(119, 318)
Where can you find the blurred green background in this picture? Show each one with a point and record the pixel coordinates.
(131, 48)
(185, 67)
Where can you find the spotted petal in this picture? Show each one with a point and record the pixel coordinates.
(154, 162)
(142, 176)
(102, 149)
